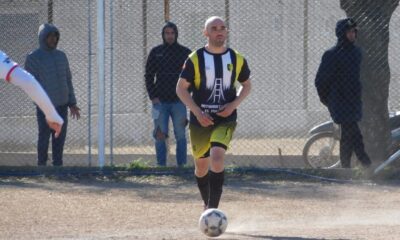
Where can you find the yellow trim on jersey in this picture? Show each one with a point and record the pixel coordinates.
(239, 64)
(195, 60)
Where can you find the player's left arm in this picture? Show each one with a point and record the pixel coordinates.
(244, 80)
(230, 107)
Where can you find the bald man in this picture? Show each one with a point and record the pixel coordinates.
(12, 73)
(213, 74)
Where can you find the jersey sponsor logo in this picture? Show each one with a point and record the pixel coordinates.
(7, 60)
(211, 108)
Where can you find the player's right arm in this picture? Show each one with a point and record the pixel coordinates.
(182, 90)
(32, 88)
(11, 72)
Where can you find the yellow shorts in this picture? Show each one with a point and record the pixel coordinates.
(201, 138)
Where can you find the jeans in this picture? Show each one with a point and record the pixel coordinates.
(44, 135)
(161, 113)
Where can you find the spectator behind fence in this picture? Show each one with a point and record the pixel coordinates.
(212, 73)
(51, 68)
(339, 88)
(12, 73)
(163, 67)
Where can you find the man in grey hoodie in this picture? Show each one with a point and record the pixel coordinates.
(51, 68)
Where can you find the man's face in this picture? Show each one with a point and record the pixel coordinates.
(351, 34)
(169, 35)
(52, 40)
(216, 32)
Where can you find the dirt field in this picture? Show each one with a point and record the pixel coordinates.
(168, 207)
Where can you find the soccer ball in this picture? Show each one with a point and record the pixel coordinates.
(213, 222)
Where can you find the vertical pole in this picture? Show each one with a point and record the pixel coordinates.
(50, 11)
(101, 78)
(227, 20)
(305, 55)
(111, 82)
(144, 53)
(89, 84)
(166, 11)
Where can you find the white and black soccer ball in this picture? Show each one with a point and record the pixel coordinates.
(213, 222)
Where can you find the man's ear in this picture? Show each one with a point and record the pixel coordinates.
(205, 33)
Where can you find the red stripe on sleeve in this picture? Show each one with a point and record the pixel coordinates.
(9, 73)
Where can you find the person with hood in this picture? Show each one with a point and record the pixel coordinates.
(12, 73)
(339, 89)
(163, 67)
(51, 68)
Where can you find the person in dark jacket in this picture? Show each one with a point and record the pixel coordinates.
(339, 88)
(163, 67)
(51, 68)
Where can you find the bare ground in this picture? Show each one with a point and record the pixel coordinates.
(168, 207)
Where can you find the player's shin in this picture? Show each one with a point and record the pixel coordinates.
(216, 183)
(204, 187)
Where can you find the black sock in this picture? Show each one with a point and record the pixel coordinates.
(216, 182)
(204, 187)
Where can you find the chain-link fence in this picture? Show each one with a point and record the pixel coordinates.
(283, 42)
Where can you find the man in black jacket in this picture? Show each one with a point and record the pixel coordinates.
(163, 67)
(339, 88)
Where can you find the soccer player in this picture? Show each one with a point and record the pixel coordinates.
(12, 73)
(208, 85)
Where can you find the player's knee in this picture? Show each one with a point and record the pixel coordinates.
(217, 168)
(217, 162)
(217, 157)
(200, 172)
(201, 167)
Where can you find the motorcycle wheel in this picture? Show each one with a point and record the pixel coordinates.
(321, 151)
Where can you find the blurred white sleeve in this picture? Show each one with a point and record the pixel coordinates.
(6, 66)
(28, 83)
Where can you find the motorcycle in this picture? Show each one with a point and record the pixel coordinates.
(321, 149)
